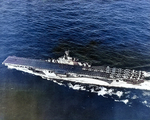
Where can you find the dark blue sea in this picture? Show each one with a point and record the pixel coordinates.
(101, 32)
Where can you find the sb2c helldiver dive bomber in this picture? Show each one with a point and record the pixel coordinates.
(69, 69)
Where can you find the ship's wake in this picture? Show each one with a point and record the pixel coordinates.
(126, 96)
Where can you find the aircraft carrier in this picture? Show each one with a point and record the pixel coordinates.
(68, 69)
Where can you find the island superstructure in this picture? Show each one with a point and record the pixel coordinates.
(69, 69)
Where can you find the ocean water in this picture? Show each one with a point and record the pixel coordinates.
(101, 32)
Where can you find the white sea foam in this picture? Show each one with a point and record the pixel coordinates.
(119, 93)
(111, 92)
(103, 91)
(76, 87)
(144, 102)
(146, 93)
(134, 97)
(124, 101)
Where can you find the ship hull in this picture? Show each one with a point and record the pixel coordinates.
(67, 73)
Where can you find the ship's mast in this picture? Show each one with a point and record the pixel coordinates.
(67, 53)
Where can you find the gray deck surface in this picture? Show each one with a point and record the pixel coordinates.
(41, 64)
